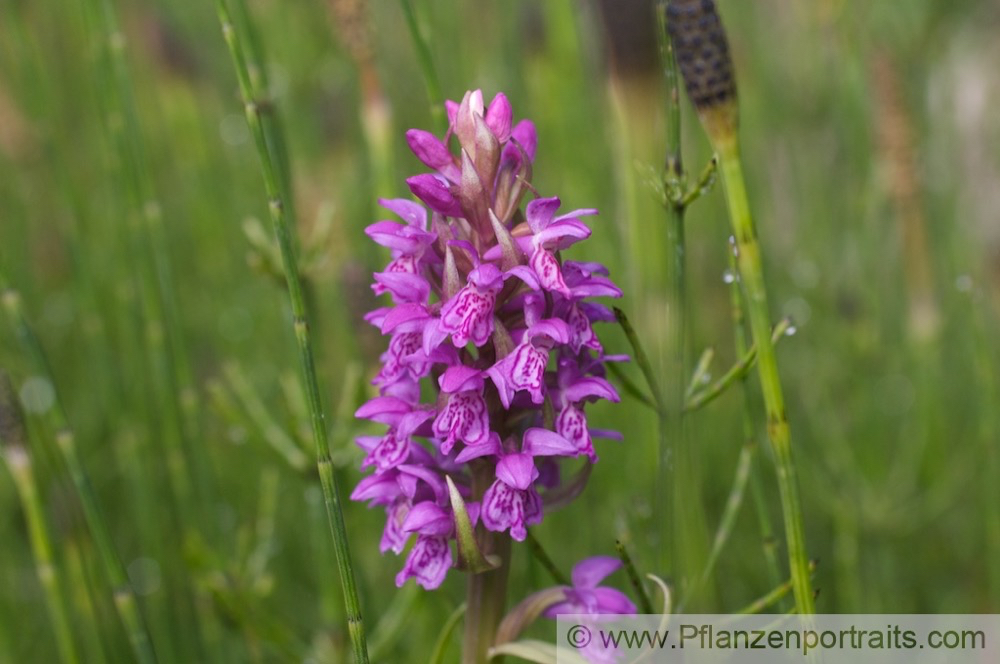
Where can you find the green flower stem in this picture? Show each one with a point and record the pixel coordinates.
(487, 597)
(14, 450)
(282, 231)
(486, 593)
(748, 260)
(124, 597)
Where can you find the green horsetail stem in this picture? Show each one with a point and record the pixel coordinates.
(282, 225)
(702, 53)
(680, 517)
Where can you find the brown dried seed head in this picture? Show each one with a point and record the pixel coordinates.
(702, 52)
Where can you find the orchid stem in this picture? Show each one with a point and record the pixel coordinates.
(486, 600)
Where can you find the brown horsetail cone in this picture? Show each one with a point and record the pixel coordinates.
(702, 54)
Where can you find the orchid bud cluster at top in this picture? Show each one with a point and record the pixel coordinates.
(492, 354)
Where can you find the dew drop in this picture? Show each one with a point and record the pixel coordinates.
(791, 330)
(733, 246)
(729, 277)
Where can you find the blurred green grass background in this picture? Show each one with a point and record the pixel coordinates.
(872, 154)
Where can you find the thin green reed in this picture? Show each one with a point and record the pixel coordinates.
(703, 55)
(282, 230)
(260, 84)
(123, 596)
(83, 593)
(750, 447)
(746, 470)
(163, 333)
(14, 451)
(681, 517)
(751, 274)
(168, 415)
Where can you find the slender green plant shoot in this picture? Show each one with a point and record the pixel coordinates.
(703, 55)
(283, 233)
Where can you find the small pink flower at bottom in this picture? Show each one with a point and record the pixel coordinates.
(585, 596)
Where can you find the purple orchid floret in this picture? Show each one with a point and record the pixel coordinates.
(492, 355)
(585, 596)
